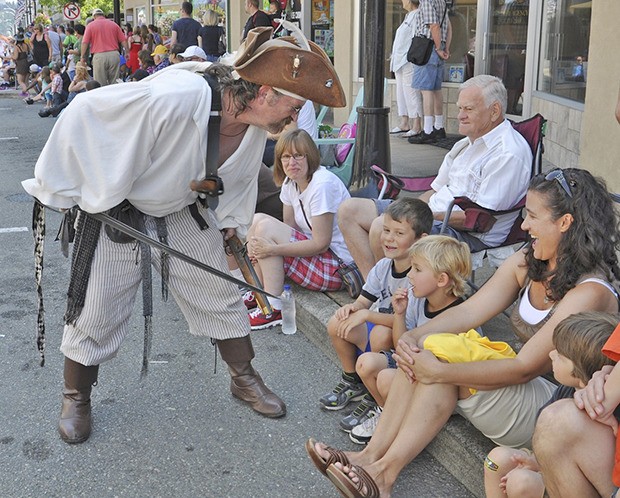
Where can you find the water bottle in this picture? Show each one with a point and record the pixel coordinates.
(289, 324)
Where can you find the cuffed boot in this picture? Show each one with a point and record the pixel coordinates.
(245, 382)
(75, 421)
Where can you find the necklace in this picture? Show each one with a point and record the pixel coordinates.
(234, 135)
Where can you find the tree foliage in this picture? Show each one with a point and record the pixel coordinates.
(52, 7)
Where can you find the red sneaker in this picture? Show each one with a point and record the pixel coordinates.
(249, 299)
(259, 321)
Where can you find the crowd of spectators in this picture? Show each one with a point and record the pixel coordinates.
(395, 342)
(54, 63)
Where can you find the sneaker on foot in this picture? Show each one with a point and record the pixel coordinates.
(422, 138)
(346, 391)
(249, 299)
(439, 133)
(259, 321)
(360, 414)
(361, 434)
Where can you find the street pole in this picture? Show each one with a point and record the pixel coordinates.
(372, 143)
(117, 12)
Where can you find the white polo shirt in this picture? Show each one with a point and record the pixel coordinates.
(493, 171)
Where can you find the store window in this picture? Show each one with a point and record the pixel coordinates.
(462, 15)
(565, 38)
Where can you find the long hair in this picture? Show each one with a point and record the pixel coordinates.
(241, 92)
(590, 243)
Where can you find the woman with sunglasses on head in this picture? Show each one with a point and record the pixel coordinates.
(307, 245)
(567, 268)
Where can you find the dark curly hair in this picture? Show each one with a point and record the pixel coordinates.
(242, 92)
(590, 244)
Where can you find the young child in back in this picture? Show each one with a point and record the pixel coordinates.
(405, 221)
(578, 340)
(440, 266)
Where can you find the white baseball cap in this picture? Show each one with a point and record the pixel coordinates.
(194, 51)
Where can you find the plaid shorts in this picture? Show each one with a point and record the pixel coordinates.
(316, 273)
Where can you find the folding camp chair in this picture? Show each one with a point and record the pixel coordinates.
(478, 218)
(343, 170)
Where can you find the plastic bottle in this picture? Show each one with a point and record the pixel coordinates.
(289, 323)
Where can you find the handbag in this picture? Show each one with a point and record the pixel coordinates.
(349, 272)
(420, 50)
(351, 277)
(421, 47)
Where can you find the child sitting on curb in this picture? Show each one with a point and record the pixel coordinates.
(406, 220)
(440, 266)
(578, 340)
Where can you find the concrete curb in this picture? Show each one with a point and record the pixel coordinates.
(459, 447)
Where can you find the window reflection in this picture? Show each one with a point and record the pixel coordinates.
(563, 69)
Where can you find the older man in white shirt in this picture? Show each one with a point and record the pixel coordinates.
(491, 166)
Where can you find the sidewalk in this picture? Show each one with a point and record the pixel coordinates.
(459, 447)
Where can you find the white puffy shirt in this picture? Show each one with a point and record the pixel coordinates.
(145, 142)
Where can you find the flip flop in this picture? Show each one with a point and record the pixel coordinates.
(320, 462)
(350, 489)
(398, 129)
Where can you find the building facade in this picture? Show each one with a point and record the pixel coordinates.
(556, 57)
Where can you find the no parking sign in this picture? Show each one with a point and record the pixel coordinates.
(71, 11)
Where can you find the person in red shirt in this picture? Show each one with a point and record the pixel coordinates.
(102, 38)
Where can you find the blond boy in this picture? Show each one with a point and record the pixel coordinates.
(440, 266)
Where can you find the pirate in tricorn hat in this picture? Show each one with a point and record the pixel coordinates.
(147, 171)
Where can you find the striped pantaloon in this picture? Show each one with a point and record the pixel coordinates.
(212, 307)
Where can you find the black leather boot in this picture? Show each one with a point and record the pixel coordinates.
(75, 420)
(245, 382)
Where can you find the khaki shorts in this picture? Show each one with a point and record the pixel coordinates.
(508, 415)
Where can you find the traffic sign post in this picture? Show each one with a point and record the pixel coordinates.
(71, 11)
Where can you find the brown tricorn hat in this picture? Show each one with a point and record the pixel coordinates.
(283, 64)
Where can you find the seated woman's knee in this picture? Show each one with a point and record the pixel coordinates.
(261, 223)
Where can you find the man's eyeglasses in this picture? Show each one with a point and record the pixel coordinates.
(558, 175)
(285, 158)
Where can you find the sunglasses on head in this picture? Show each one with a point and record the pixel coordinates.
(558, 175)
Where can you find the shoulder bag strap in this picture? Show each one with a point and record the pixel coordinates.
(213, 135)
(340, 261)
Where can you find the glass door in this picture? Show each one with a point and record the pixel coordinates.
(504, 46)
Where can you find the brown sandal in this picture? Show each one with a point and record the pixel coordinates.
(350, 488)
(321, 463)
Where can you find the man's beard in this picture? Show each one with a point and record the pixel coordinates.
(275, 128)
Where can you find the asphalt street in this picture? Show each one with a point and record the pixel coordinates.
(177, 433)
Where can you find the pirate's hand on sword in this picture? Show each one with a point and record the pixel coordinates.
(235, 247)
